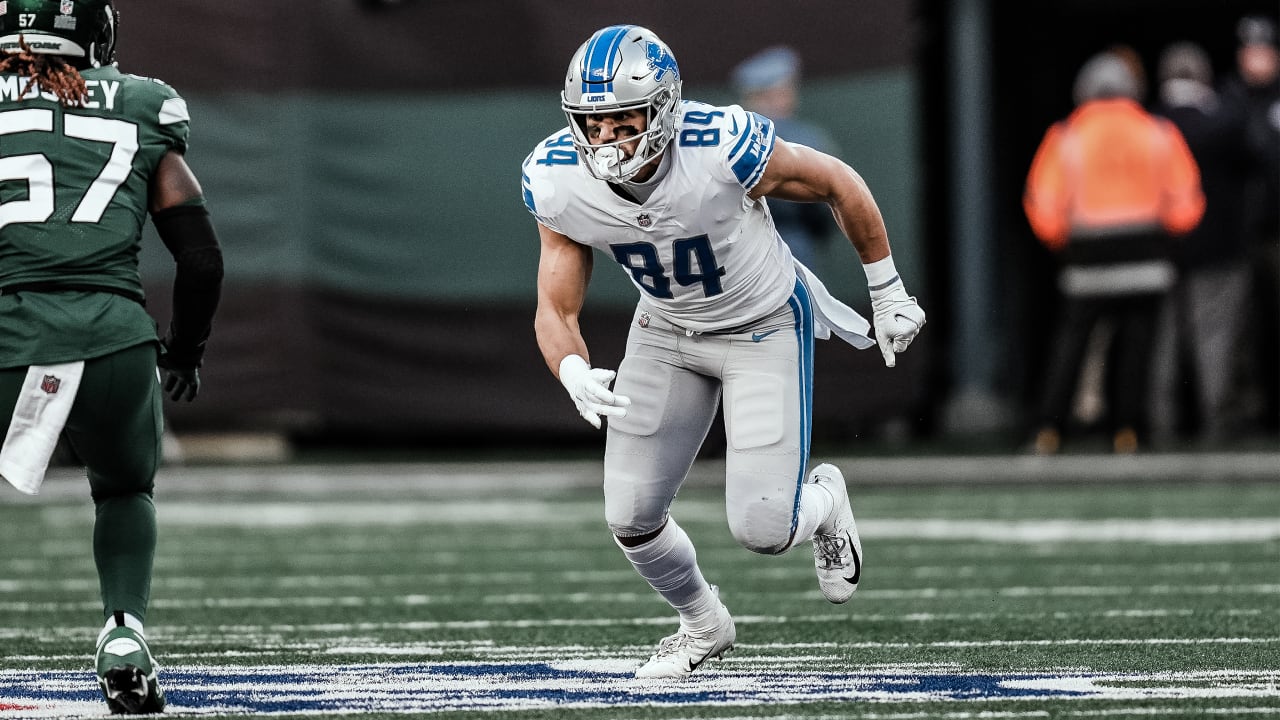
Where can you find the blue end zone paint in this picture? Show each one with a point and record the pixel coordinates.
(500, 686)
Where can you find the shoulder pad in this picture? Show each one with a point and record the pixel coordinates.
(743, 140)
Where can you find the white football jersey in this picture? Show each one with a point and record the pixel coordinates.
(701, 252)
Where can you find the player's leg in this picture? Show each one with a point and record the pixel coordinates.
(768, 386)
(115, 427)
(771, 504)
(11, 381)
(648, 454)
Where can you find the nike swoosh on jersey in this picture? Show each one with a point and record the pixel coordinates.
(734, 130)
(857, 562)
(757, 337)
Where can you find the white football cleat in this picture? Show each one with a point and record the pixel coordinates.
(680, 654)
(837, 551)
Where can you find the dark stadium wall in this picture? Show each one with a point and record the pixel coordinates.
(360, 160)
(415, 46)
(362, 169)
(1036, 52)
(384, 282)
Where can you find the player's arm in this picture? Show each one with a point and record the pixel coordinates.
(802, 174)
(182, 222)
(564, 270)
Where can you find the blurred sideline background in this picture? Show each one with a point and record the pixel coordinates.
(361, 161)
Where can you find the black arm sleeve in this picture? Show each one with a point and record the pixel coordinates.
(188, 234)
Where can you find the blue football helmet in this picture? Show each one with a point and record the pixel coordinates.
(73, 28)
(622, 67)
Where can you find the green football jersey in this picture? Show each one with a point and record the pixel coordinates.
(73, 200)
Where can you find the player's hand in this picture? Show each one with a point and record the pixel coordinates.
(897, 319)
(589, 388)
(182, 369)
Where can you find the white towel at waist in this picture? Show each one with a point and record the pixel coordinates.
(833, 315)
(42, 408)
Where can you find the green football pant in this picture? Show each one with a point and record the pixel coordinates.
(115, 428)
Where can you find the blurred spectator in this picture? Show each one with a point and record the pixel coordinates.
(1108, 188)
(768, 83)
(1203, 321)
(1255, 87)
(1133, 59)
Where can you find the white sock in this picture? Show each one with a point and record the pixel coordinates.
(129, 621)
(816, 506)
(670, 565)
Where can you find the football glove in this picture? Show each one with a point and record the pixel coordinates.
(182, 369)
(897, 319)
(589, 388)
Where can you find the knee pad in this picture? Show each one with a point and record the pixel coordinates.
(764, 525)
(627, 518)
(633, 508)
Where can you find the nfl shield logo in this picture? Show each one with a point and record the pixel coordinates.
(66, 6)
(644, 320)
(644, 220)
(50, 384)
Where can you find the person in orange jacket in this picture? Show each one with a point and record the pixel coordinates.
(1110, 189)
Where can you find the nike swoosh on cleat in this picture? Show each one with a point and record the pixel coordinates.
(757, 337)
(695, 665)
(857, 562)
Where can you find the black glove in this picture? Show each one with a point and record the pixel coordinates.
(182, 369)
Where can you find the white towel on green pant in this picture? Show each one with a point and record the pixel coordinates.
(38, 417)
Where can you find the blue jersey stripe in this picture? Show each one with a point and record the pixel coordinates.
(751, 154)
(598, 60)
(802, 307)
(744, 137)
(528, 193)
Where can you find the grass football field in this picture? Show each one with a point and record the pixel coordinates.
(493, 590)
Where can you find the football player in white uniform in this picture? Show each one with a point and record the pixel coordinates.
(673, 190)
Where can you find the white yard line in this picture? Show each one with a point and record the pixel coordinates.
(580, 598)
(519, 477)
(523, 512)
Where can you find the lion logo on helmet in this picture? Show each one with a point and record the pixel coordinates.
(661, 61)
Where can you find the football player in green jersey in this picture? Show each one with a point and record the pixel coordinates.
(86, 154)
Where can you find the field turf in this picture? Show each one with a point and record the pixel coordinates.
(493, 590)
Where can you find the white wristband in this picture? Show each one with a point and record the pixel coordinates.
(881, 273)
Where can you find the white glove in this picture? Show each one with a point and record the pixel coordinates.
(897, 318)
(589, 388)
